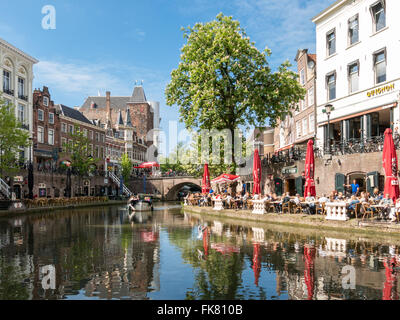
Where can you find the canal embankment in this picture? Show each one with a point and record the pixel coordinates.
(8, 213)
(309, 223)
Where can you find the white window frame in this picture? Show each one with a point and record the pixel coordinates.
(311, 124)
(373, 14)
(40, 134)
(302, 77)
(298, 129)
(310, 94)
(351, 20)
(327, 85)
(333, 31)
(51, 117)
(23, 111)
(381, 51)
(40, 115)
(64, 127)
(21, 86)
(304, 124)
(9, 78)
(349, 75)
(50, 141)
(45, 101)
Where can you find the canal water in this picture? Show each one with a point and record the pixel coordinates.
(102, 253)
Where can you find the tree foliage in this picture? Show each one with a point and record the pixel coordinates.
(223, 81)
(12, 138)
(126, 167)
(82, 161)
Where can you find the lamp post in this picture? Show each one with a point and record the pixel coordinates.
(328, 109)
(30, 170)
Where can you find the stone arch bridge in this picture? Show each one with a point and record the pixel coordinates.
(167, 187)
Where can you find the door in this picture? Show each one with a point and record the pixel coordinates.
(372, 181)
(278, 183)
(299, 186)
(339, 182)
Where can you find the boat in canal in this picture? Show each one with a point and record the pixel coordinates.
(140, 204)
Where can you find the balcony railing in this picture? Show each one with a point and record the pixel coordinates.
(25, 126)
(8, 91)
(22, 97)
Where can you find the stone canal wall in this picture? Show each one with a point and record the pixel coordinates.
(316, 222)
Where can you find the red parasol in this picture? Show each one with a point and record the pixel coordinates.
(226, 177)
(146, 165)
(309, 170)
(256, 173)
(225, 248)
(256, 263)
(389, 161)
(205, 186)
(309, 255)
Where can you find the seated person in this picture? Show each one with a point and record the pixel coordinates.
(352, 203)
(310, 207)
(387, 202)
(377, 196)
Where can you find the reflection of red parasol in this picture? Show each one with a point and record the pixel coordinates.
(224, 248)
(390, 285)
(256, 173)
(205, 241)
(256, 262)
(389, 162)
(205, 186)
(148, 236)
(309, 168)
(309, 256)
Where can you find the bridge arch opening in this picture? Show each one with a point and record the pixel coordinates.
(181, 189)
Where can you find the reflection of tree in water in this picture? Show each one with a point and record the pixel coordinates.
(12, 286)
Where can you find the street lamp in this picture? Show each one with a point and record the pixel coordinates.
(328, 109)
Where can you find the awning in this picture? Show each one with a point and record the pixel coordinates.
(386, 106)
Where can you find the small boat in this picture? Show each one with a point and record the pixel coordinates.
(145, 204)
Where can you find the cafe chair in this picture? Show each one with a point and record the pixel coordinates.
(286, 207)
(320, 209)
(366, 208)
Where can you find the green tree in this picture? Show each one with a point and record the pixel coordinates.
(12, 138)
(223, 81)
(126, 166)
(82, 161)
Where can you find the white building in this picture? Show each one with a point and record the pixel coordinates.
(358, 73)
(16, 74)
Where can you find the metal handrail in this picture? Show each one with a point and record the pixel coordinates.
(118, 181)
(4, 188)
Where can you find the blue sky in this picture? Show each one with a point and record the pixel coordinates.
(100, 46)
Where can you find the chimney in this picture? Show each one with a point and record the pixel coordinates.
(108, 108)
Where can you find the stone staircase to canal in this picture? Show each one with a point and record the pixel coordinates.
(118, 182)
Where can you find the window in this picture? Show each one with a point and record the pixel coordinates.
(90, 149)
(102, 138)
(310, 96)
(353, 77)
(97, 155)
(305, 126)
(380, 66)
(21, 113)
(378, 15)
(40, 134)
(331, 42)
(40, 115)
(298, 129)
(302, 77)
(70, 146)
(85, 132)
(91, 134)
(97, 137)
(64, 144)
(46, 101)
(21, 87)
(64, 127)
(71, 129)
(311, 123)
(353, 30)
(51, 118)
(331, 85)
(51, 137)
(6, 81)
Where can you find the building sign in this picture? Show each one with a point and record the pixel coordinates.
(19, 179)
(289, 170)
(378, 91)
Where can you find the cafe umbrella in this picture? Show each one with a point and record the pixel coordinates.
(389, 161)
(309, 186)
(225, 177)
(256, 262)
(256, 173)
(205, 185)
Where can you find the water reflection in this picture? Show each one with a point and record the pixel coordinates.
(104, 253)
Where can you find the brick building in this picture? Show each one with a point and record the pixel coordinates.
(131, 118)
